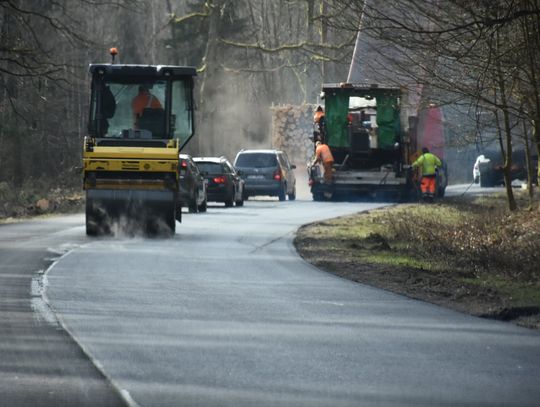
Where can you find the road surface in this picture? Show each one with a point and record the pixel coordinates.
(226, 314)
(40, 364)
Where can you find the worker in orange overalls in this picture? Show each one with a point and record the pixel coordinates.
(319, 113)
(429, 162)
(143, 100)
(324, 155)
(319, 124)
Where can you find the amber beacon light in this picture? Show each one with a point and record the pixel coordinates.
(114, 52)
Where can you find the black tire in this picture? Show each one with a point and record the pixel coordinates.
(91, 230)
(178, 212)
(292, 195)
(230, 200)
(91, 226)
(192, 207)
(318, 196)
(282, 193)
(93, 223)
(486, 179)
(192, 204)
(203, 206)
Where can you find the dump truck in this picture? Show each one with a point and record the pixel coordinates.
(141, 116)
(372, 131)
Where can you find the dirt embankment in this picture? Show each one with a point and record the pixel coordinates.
(470, 255)
(38, 199)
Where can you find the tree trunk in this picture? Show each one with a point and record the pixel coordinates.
(507, 168)
(529, 163)
(531, 34)
(208, 131)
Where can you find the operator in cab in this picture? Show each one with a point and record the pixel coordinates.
(144, 100)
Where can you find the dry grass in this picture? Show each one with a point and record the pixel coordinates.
(478, 237)
(21, 202)
(469, 254)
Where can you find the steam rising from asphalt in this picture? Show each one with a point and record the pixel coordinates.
(135, 222)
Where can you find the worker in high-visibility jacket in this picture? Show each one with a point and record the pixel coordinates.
(429, 163)
(324, 155)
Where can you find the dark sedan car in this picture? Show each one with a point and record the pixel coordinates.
(192, 185)
(224, 182)
(266, 172)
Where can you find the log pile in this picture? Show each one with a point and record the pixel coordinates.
(292, 131)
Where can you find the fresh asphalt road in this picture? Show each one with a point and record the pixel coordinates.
(227, 314)
(40, 364)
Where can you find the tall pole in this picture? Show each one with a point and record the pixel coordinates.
(355, 62)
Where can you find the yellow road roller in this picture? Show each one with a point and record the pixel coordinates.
(141, 116)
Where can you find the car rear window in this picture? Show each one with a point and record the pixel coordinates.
(256, 160)
(210, 168)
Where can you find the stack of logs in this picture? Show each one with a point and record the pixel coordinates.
(292, 131)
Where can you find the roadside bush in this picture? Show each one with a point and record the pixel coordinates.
(39, 195)
(476, 237)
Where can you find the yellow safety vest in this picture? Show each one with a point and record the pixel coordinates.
(429, 163)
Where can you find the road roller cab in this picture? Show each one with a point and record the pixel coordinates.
(141, 116)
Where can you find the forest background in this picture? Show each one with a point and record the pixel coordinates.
(480, 60)
(48, 45)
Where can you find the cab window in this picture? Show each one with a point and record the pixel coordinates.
(181, 112)
(128, 104)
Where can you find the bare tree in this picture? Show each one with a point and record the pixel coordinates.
(484, 54)
(45, 48)
(256, 53)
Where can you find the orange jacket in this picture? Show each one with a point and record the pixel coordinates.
(142, 101)
(323, 154)
(317, 116)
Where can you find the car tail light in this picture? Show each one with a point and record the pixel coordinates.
(220, 180)
(277, 175)
(183, 166)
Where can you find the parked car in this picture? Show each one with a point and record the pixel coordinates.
(266, 172)
(224, 182)
(488, 168)
(192, 185)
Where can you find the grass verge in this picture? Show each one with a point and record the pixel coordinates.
(469, 254)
